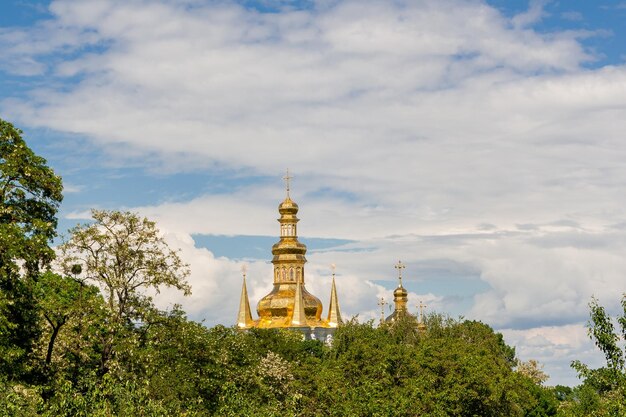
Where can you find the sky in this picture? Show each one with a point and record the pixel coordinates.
(481, 142)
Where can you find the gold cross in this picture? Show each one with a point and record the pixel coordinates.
(244, 269)
(287, 179)
(332, 267)
(400, 266)
(422, 306)
(382, 304)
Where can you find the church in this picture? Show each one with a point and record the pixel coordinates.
(289, 305)
(400, 300)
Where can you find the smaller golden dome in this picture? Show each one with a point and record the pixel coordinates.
(400, 292)
(288, 206)
(400, 300)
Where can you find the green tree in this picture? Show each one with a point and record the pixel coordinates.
(124, 255)
(17, 400)
(58, 300)
(458, 368)
(30, 195)
(69, 304)
(603, 392)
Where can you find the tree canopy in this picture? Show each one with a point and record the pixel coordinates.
(603, 391)
(124, 255)
(30, 195)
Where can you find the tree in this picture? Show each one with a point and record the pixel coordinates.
(30, 195)
(459, 368)
(125, 256)
(604, 389)
(58, 300)
(533, 370)
(69, 303)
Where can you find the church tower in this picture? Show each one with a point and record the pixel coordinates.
(400, 300)
(289, 304)
(400, 297)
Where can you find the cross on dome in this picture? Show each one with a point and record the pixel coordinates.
(287, 179)
(422, 306)
(382, 303)
(400, 266)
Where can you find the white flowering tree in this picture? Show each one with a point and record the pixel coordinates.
(125, 255)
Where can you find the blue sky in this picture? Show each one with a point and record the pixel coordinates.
(480, 142)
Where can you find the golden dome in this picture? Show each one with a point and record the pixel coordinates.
(276, 308)
(400, 297)
(400, 292)
(288, 206)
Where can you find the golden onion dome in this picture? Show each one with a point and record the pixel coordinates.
(276, 308)
(288, 206)
(400, 292)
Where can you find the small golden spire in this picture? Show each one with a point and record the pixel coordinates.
(420, 322)
(298, 317)
(422, 306)
(382, 304)
(399, 266)
(244, 318)
(287, 179)
(334, 315)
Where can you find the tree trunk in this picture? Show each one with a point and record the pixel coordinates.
(55, 332)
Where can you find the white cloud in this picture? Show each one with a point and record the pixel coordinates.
(72, 188)
(556, 348)
(533, 15)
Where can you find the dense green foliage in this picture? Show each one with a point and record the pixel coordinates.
(124, 255)
(172, 366)
(603, 392)
(30, 194)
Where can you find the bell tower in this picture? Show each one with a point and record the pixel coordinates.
(289, 304)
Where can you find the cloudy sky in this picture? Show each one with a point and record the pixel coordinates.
(479, 141)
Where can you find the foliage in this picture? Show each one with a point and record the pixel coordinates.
(74, 314)
(603, 392)
(30, 195)
(124, 255)
(533, 370)
(58, 299)
(18, 400)
(179, 367)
